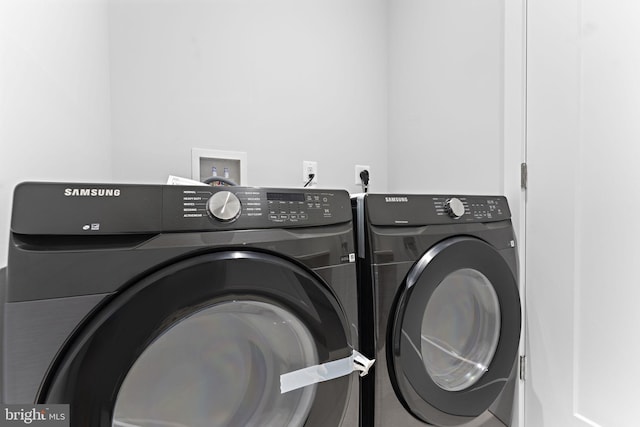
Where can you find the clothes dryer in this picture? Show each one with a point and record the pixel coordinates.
(438, 280)
(141, 305)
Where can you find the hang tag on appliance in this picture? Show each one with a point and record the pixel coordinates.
(325, 372)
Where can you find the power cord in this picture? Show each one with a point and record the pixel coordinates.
(364, 177)
(219, 179)
(311, 176)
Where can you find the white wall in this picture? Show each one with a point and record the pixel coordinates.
(54, 96)
(123, 89)
(446, 96)
(283, 80)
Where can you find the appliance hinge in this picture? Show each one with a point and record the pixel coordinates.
(524, 175)
(523, 364)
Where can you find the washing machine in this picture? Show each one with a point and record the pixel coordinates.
(439, 284)
(3, 275)
(153, 305)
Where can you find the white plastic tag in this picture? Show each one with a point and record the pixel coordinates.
(325, 372)
(178, 180)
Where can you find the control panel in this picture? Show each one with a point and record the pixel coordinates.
(421, 209)
(187, 208)
(470, 208)
(107, 209)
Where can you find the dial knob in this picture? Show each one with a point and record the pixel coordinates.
(224, 206)
(454, 207)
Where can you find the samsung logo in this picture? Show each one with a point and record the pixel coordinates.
(396, 199)
(91, 192)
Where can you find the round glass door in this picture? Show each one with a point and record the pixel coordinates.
(460, 330)
(220, 366)
(203, 342)
(456, 327)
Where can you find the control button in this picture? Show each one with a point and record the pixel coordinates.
(224, 206)
(293, 217)
(284, 217)
(273, 217)
(304, 216)
(454, 207)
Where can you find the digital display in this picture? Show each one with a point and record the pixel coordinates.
(286, 197)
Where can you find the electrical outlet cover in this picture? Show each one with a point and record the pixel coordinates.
(309, 167)
(358, 169)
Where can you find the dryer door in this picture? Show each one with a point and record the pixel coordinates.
(204, 342)
(455, 333)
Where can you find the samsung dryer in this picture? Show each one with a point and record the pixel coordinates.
(439, 283)
(143, 305)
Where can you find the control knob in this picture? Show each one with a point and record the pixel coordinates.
(454, 207)
(224, 206)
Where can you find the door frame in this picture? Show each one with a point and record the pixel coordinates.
(515, 154)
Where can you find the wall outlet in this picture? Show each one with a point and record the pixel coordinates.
(358, 169)
(309, 167)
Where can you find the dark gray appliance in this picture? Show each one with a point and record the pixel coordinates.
(438, 281)
(3, 287)
(143, 305)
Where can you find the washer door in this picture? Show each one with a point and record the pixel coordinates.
(203, 342)
(455, 333)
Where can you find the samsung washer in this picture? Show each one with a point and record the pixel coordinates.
(142, 305)
(438, 279)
